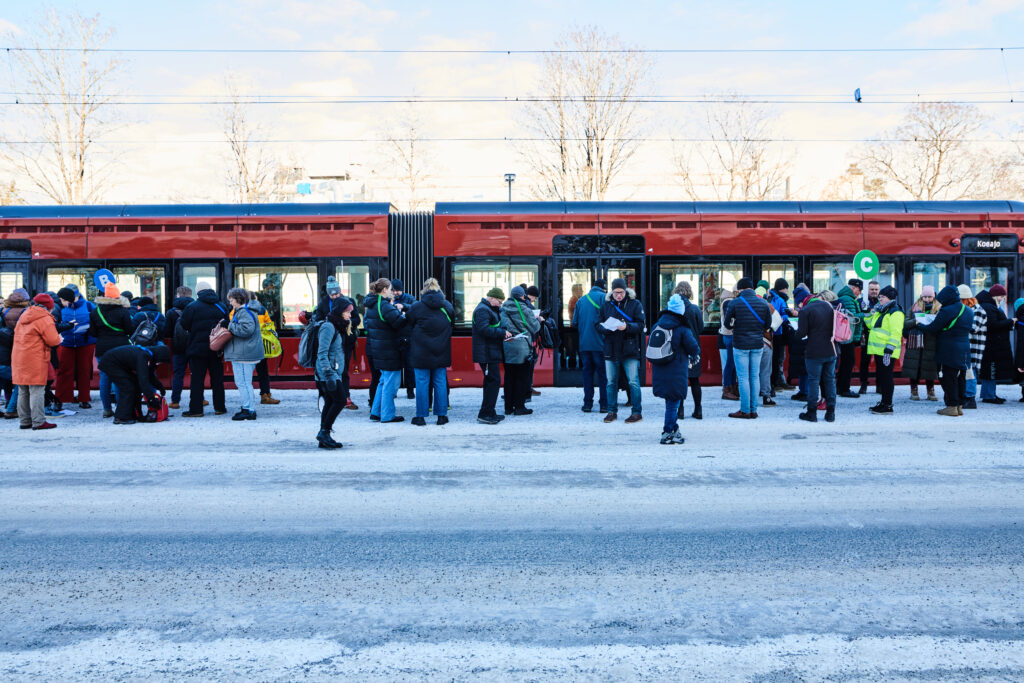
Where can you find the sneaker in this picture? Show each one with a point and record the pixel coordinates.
(809, 416)
(45, 425)
(349, 405)
(635, 417)
(188, 414)
(949, 411)
(119, 421)
(419, 421)
(268, 400)
(881, 408)
(677, 438)
(442, 420)
(611, 417)
(970, 404)
(523, 411)
(830, 415)
(110, 413)
(666, 438)
(849, 394)
(698, 414)
(488, 420)
(396, 418)
(240, 415)
(768, 402)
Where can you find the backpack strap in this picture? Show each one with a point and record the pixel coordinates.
(624, 315)
(521, 315)
(115, 329)
(747, 304)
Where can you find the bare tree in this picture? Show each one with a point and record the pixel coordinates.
(736, 158)
(587, 117)
(930, 155)
(67, 109)
(854, 185)
(406, 157)
(251, 172)
(9, 194)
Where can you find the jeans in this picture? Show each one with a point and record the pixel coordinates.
(106, 386)
(384, 398)
(492, 385)
(728, 362)
(243, 380)
(671, 415)
(821, 372)
(748, 376)
(593, 363)
(631, 367)
(988, 388)
(765, 373)
(180, 364)
(12, 403)
(971, 387)
(424, 378)
(953, 381)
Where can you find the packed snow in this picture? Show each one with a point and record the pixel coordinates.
(549, 547)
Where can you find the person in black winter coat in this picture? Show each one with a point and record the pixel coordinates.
(694, 319)
(748, 316)
(198, 319)
(1018, 332)
(622, 346)
(815, 324)
(111, 324)
(403, 301)
(133, 371)
(430, 322)
(385, 330)
(997, 359)
(669, 380)
(953, 325)
(488, 352)
(149, 309)
(183, 297)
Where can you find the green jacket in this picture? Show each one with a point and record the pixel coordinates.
(852, 308)
(885, 330)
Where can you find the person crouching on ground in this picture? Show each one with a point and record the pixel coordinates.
(669, 380)
(330, 364)
(132, 369)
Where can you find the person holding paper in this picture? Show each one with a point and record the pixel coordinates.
(622, 328)
(919, 358)
(748, 317)
(76, 352)
(953, 325)
(517, 319)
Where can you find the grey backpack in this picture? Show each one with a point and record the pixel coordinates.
(659, 346)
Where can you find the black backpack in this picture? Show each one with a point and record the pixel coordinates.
(146, 334)
(659, 346)
(309, 344)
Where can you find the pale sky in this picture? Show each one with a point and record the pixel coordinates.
(175, 156)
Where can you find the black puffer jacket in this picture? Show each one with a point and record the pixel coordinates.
(997, 360)
(488, 334)
(177, 306)
(429, 323)
(198, 318)
(115, 312)
(815, 324)
(385, 326)
(626, 343)
(747, 330)
(694, 319)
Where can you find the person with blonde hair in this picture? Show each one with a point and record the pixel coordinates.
(430, 324)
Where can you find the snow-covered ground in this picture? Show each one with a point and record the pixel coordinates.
(549, 547)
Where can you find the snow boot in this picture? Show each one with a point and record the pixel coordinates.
(881, 408)
(949, 411)
(419, 421)
(970, 404)
(268, 400)
(830, 414)
(325, 440)
(698, 414)
(442, 420)
(913, 393)
(959, 410)
(931, 394)
(809, 416)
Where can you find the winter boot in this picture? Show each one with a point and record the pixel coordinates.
(809, 416)
(419, 421)
(268, 400)
(959, 410)
(881, 408)
(931, 394)
(913, 393)
(442, 420)
(949, 411)
(830, 414)
(323, 437)
(970, 404)
(698, 414)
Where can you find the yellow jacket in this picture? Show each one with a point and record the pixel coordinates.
(885, 330)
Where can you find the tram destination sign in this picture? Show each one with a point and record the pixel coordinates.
(989, 244)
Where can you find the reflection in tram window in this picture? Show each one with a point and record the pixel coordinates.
(707, 281)
(81, 277)
(194, 276)
(472, 281)
(142, 281)
(983, 277)
(773, 271)
(355, 283)
(928, 273)
(831, 275)
(285, 291)
(575, 285)
(9, 282)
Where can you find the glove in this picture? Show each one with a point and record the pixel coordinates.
(694, 361)
(887, 357)
(332, 385)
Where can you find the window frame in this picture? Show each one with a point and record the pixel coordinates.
(268, 266)
(717, 260)
(510, 262)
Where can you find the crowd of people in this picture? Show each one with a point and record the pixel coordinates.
(769, 342)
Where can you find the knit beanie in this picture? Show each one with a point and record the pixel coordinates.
(676, 304)
(533, 291)
(965, 292)
(518, 292)
(800, 294)
(332, 286)
(618, 283)
(601, 283)
(111, 291)
(398, 284)
(781, 284)
(745, 283)
(889, 292)
(997, 290)
(496, 293)
(927, 290)
(855, 282)
(44, 299)
(67, 294)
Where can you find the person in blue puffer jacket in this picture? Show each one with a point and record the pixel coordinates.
(669, 380)
(953, 325)
(76, 352)
(591, 345)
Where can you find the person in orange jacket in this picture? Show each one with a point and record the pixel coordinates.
(34, 337)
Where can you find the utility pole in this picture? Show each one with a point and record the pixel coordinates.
(510, 178)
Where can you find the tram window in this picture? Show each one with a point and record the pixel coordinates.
(285, 291)
(64, 276)
(193, 276)
(834, 276)
(575, 284)
(983, 277)
(10, 282)
(928, 273)
(707, 281)
(773, 271)
(355, 283)
(142, 281)
(472, 281)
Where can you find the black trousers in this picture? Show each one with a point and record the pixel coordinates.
(883, 379)
(409, 381)
(334, 401)
(199, 366)
(844, 374)
(517, 386)
(374, 378)
(778, 360)
(865, 363)
(263, 375)
(954, 385)
(492, 385)
(128, 393)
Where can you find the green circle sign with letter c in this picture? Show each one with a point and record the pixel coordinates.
(865, 264)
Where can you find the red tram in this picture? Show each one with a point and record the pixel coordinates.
(286, 251)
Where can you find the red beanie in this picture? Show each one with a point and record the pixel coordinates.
(997, 290)
(44, 299)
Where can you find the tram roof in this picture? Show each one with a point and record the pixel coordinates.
(623, 208)
(197, 210)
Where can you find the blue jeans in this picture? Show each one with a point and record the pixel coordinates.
(821, 371)
(439, 378)
(180, 363)
(972, 387)
(671, 416)
(243, 380)
(106, 386)
(12, 403)
(748, 376)
(988, 388)
(593, 363)
(384, 398)
(631, 366)
(728, 362)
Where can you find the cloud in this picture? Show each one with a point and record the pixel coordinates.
(961, 16)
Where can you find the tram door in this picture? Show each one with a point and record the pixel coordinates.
(981, 272)
(15, 256)
(574, 278)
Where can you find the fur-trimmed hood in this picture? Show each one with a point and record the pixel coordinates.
(110, 301)
(630, 294)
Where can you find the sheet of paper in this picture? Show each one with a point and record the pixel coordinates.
(611, 324)
(794, 323)
(925, 318)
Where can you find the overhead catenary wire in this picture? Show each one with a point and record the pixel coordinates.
(505, 139)
(510, 51)
(535, 99)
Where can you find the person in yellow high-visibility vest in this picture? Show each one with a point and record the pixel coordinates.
(884, 325)
(262, 371)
